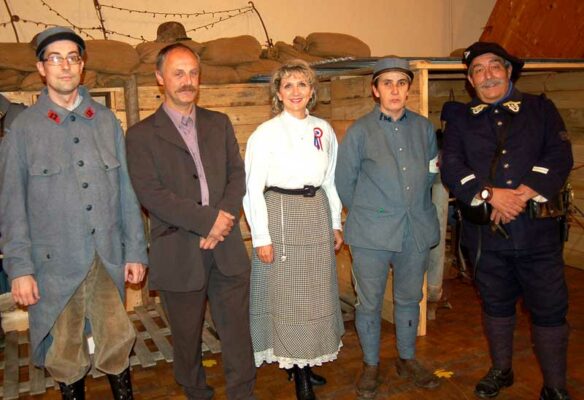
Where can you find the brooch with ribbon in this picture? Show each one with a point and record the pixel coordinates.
(317, 138)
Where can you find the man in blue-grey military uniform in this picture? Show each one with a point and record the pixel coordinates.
(72, 232)
(385, 169)
(510, 150)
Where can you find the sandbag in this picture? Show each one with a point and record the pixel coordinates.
(145, 75)
(287, 52)
(111, 80)
(326, 44)
(18, 56)
(148, 51)
(248, 70)
(231, 51)
(111, 57)
(33, 81)
(10, 79)
(211, 74)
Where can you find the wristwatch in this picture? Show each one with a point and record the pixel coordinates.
(486, 193)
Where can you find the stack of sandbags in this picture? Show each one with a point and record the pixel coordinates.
(113, 61)
(330, 45)
(284, 52)
(17, 60)
(220, 57)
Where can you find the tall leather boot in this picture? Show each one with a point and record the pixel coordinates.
(499, 332)
(121, 385)
(74, 391)
(303, 384)
(551, 347)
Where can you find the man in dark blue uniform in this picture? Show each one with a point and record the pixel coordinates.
(511, 150)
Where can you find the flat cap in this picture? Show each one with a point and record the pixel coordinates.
(479, 48)
(54, 34)
(392, 64)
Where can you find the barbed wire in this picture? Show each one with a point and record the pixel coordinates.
(167, 14)
(232, 13)
(44, 3)
(45, 25)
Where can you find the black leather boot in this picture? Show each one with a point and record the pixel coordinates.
(316, 380)
(553, 394)
(494, 381)
(74, 391)
(303, 385)
(121, 385)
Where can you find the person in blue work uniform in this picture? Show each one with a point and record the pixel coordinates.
(385, 169)
(511, 150)
(72, 231)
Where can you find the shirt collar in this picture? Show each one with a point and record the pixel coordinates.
(385, 117)
(83, 106)
(176, 117)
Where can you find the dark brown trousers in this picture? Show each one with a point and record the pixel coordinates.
(229, 302)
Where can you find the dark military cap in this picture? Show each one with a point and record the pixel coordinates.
(479, 48)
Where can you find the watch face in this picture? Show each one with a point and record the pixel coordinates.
(485, 194)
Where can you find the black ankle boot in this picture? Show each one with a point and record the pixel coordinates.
(316, 380)
(553, 394)
(494, 381)
(303, 385)
(121, 385)
(74, 391)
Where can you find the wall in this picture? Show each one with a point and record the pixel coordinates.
(412, 28)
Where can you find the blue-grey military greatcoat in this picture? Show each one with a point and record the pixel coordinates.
(65, 197)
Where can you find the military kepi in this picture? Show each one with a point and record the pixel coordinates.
(54, 34)
(392, 64)
(479, 48)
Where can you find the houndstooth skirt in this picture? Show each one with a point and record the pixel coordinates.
(294, 307)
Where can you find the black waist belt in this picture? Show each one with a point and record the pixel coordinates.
(306, 191)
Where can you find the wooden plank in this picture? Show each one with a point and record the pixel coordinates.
(27, 98)
(565, 81)
(142, 352)
(38, 382)
(351, 109)
(11, 366)
(210, 339)
(567, 98)
(322, 110)
(340, 127)
(161, 313)
(353, 87)
(246, 115)
(7, 302)
(154, 331)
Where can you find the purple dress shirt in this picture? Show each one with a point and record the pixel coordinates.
(188, 131)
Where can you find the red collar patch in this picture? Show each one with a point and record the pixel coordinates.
(89, 112)
(54, 116)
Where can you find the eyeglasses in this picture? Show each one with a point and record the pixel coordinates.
(57, 59)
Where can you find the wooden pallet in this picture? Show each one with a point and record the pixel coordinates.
(152, 345)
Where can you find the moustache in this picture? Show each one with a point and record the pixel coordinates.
(491, 82)
(187, 88)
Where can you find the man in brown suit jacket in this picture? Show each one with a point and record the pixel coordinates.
(186, 169)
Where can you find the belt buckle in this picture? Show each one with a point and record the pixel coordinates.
(309, 191)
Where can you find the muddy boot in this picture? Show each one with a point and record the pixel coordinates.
(368, 382)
